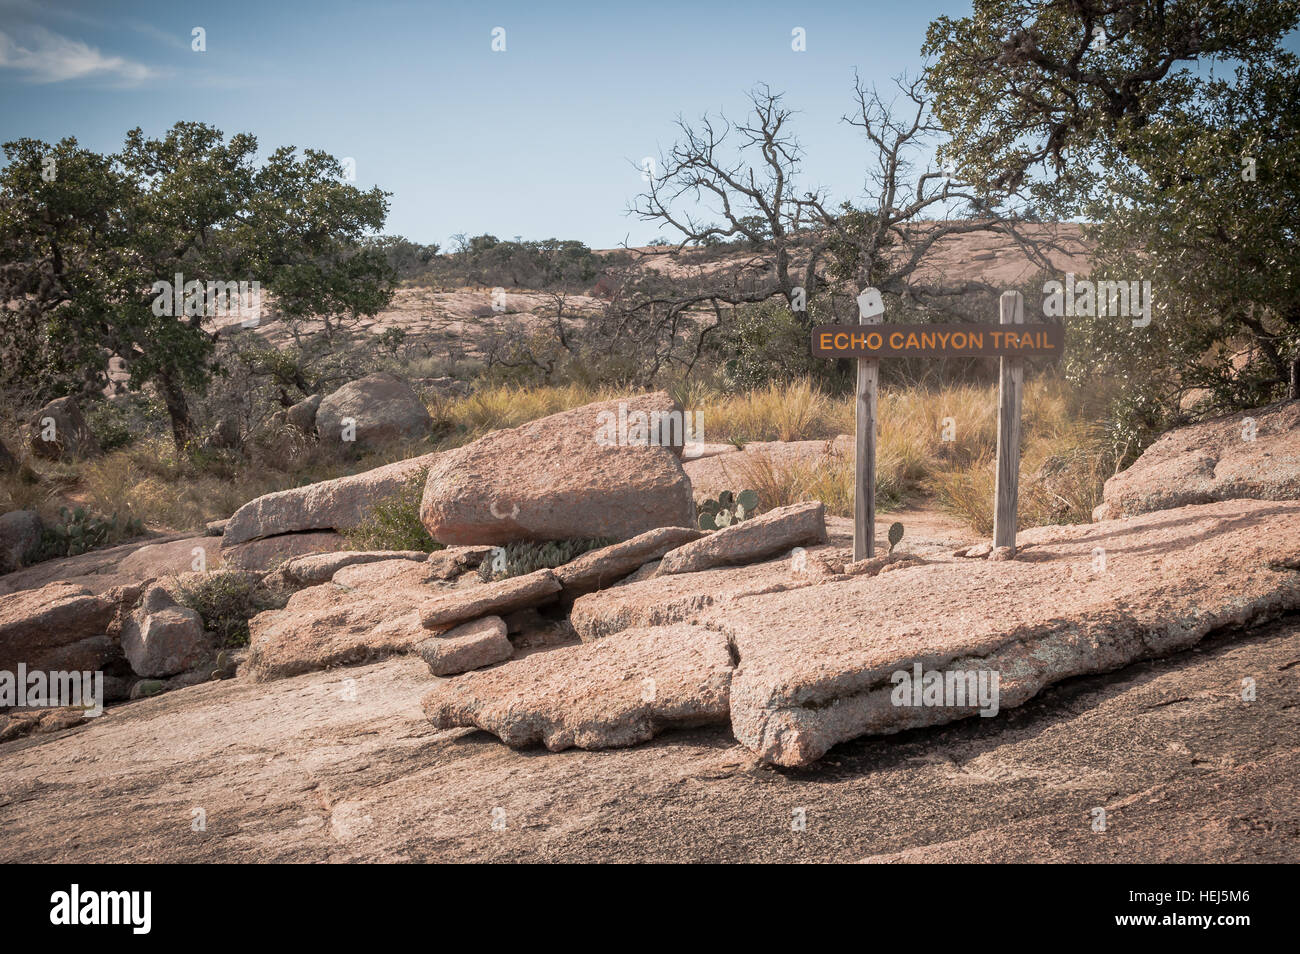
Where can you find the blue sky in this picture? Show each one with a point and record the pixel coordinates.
(540, 140)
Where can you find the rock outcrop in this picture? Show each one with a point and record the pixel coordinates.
(819, 667)
(1253, 454)
(371, 412)
(819, 655)
(59, 430)
(59, 626)
(589, 472)
(369, 611)
(611, 693)
(340, 504)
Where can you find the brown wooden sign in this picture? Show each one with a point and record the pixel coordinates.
(1011, 340)
(859, 341)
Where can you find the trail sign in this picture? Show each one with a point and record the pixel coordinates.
(869, 340)
(855, 341)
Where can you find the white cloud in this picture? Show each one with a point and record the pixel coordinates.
(47, 57)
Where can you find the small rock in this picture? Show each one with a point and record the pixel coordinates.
(751, 540)
(303, 414)
(59, 430)
(503, 596)
(597, 569)
(317, 568)
(20, 535)
(166, 642)
(451, 562)
(467, 646)
(1002, 553)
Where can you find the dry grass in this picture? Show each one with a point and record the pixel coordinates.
(936, 444)
(933, 444)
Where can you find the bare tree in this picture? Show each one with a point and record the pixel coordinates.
(745, 175)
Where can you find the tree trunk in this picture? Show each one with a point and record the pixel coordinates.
(1294, 392)
(178, 408)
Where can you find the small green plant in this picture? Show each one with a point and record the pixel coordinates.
(79, 531)
(518, 559)
(394, 522)
(227, 600)
(727, 509)
(895, 535)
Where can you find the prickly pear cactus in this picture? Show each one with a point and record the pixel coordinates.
(726, 509)
(895, 535)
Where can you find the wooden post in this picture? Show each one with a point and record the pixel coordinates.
(864, 460)
(1011, 383)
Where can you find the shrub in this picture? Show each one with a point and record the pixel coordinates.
(78, 531)
(518, 559)
(394, 522)
(227, 600)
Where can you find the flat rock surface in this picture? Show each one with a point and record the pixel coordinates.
(173, 557)
(615, 692)
(660, 600)
(98, 570)
(344, 767)
(815, 665)
(1253, 453)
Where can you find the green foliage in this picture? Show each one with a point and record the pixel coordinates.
(227, 600)
(519, 559)
(84, 238)
(79, 531)
(393, 523)
(125, 419)
(1172, 127)
(726, 509)
(546, 264)
(769, 345)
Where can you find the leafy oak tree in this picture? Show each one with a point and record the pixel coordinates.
(86, 238)
(1173, 127)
